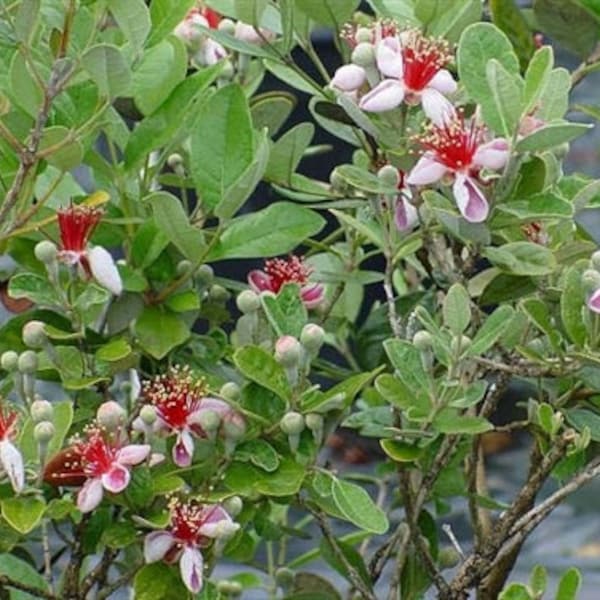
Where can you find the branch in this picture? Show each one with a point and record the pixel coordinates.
(589, 64)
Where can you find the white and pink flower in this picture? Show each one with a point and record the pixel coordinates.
(405, 213)
(457, 152)
(278, 272)
(205, 51)
(10, 457)
(192, 526)
(412, 67)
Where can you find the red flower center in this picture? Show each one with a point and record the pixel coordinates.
(422, 59)
(77, 223)
(175, 395)
(282, 271)
(186, 520)
(8, 420)
(213, 17)
(454, 145)
(97, 455)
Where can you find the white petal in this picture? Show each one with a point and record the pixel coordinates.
(469, 199)
(436, 106)
(183, 449)
(105, 270)
(12, 463)
(443, 82)
(426, 171)
(384, 96)
(190, 566)
(156, 545)
(117, 479)
(492, 155)
(90, 495)
(247, 33)
(217, 522)
(210, 53)
(133, 454)
(349, 78)
(389, 58)
(406, 216)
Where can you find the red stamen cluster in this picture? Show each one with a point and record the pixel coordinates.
(8, 421)
(96, 453)
(77, 223)
(213, 17)
(422, 58)
(175, 395)
(282, 271)
(186, 520)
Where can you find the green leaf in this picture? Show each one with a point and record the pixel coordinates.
(165, 15)
(222, 144)
(158, 581)
(489, 333)
(108, 69)
(507, 16)
(369, 229)
(277, 229)
(162, 67)
(407, 361)
(347, 390)
(247, 480)
(26, 19)
(171, 219)
(271, 110)
(286, 311)
(581, 418)
(394, 391)
(23, 513)
(401, 451)
(259, 366)
(183, 301)
(352, 558)
(259, 453)
(358, 507)
(459, 15)
(119, 535)
(328, 12)
(23, 572)
(502, 109)
(551, 135)
(250, 11)
(288, 151)
(537, 76)
(569, 585)
(286, 11)
(133, 19)
(457, 309)
(159, 331)
(69, 155)
(515, 591)
(554, 100)
(33, 287)
(522, 258)
(572, 303)
(24, 90)
(539, 314)
(115, 350)
(451, 421)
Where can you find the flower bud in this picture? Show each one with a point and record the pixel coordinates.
(315, 423)
(389, 176)
(110, 415)
(284, 578)
(590, 280)
(148, 415)
(292, 423)
(596, 260)
(460, 344)
(234, 426)
(183, 267)
(363, 34)
(227, 71)
(230, 391)
(248, 301)
(422, 340)
(34, 334)
(43, 432)
(46, 251)
(312, 338)
(233, 505)
(28, 362)
(209, 420)
(448, 557)
(175, 162)
(349, 78)
(9, 360)
(363, 55)
(288, 351)
(226, 26)
(205, 275)
(41, 410)
(218, 293)
(230, 589)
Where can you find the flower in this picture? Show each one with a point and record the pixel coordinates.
(76, 224)
(206, 51)
(375, 32)
(413, 70)
(192, 526)
(10, 458)
(279, 271)
(405, 213)
(252, 35)
(181, 404)
(459, 150)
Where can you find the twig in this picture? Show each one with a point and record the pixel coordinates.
(586, 66)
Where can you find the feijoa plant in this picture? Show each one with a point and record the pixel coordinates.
(162, 417)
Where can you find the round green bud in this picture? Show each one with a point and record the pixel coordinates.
(46, 251)
(448, 557)
(422, 340)
(148, 415)
(292, 423)
(226, 26)
(230, 589)
(184, 267)
(314, 421)
(590, 280)
(288, 351)
(233, 505)
(363, 55)
(230, 391)
(596, 260)
(363, 34)
(460, 344)
(175, 161)
(227, 70)
(205, 275)
(248, 301)
(218, 293)
(234, 426)
(43, 432)
(312, 337)
(28, 362)
(209, 420)
(34, 334)
(284, 577)
(9, 360)
(41, 410)
(110, 415)
(389, 176)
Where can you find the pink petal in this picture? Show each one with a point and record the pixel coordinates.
(349, 78)
(426, 171)
(492, 155)
(210, 53)
(216, 520)
(259, 281)
(312, 295)
(406, 216)
(385, 96)
(156, 545)
(190, 566)
(12, 463)
(436, 106)
(443, 82)
(104, 270)
(594, 302)
(183, 449)
(133, 454)
(90, 495)
(389, 58)
(215, 404)
(469, 199)
(117, 479)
